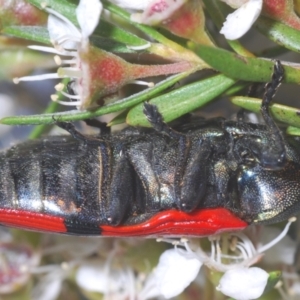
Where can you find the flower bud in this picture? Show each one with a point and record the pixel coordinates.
(19, 12)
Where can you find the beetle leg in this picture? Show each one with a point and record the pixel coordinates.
(275, 155)
(189, 166)
(193, 183)
(156, 120)
(69, 127)
(121, 189)
(98, 124)
(140, 157)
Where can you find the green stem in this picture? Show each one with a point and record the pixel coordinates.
(39, 130)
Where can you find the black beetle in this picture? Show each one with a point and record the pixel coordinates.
(200, 178)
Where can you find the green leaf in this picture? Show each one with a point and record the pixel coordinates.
(282, 113)
(63, 7)
(182, 101)
(76, 115)
(291, 130)
(110, 45)
(108, 30)
(279, 33)
(244, 68)
(40, 35)
(33, 33)
(119, 119)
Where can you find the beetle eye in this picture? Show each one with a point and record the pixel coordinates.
(272, 160)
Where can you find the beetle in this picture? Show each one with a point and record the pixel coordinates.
(196, 179)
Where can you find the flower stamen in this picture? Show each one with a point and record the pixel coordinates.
(60, 61)
(59, 87)
(44, 49)
(54, 98)
(69, 72)
(70, 96)
(36, 77)
(279, 237)
(141, 82)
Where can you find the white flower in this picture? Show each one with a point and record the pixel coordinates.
(69, 41)
(243, 283)
(97, 277)
(175, 271)
(241, 20)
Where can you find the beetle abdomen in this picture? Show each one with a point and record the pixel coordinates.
(56, 177)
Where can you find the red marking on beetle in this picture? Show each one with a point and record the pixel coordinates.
(202, 222)
(32, 220)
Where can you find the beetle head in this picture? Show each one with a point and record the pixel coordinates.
(259, 149)
(268, 196)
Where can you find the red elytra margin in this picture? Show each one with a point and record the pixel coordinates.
(176, 223)
(31, 220)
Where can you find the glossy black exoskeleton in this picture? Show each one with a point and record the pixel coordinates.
(252, 170)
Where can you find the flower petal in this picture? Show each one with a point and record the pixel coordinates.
(88, 15)
(59, 29)
(241, 20)
(243, 283)
(175, 271)
(97, 277)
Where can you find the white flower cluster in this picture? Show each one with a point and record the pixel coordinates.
(179, 266)
(176, 270)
